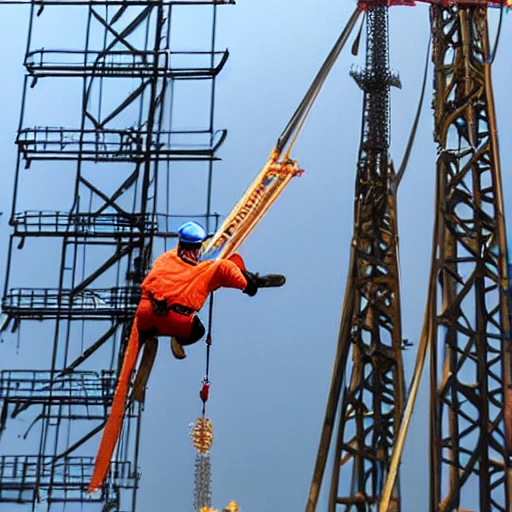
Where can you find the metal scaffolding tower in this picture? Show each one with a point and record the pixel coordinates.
(368, 406)
(111, 135)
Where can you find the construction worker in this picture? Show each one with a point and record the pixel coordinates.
(173, 292)
(178, 285)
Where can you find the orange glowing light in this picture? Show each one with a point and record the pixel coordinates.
(232, 506)
(202, 435)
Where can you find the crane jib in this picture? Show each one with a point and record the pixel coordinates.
(261, 193)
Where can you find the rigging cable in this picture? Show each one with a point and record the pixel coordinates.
(297, 120)
(492, 54)
(412, 137)
(202, 434)
(208, 340)
(357, 40)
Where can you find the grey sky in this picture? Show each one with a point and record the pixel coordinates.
(272, 354)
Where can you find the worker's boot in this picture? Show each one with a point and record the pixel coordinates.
(268, 280)
(177, 349)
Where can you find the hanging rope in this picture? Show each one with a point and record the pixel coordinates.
(202, 434)
(492, 53)
(297, 121)
(355, 45)
(412, 137)
(209, 337)
(205, 389)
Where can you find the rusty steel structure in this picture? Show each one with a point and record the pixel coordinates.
(368, 405)
(469, 316)
(107, 117)
(467, 320)
(123, 143)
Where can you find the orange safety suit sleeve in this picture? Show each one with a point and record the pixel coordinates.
(228, 275)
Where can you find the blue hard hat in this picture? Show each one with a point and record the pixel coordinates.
(192, 233)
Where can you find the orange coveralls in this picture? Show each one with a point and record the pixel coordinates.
(177, 283)
(184, 285)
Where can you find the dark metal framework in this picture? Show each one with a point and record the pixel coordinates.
(369, 405)
(468, 316)
(129, 97)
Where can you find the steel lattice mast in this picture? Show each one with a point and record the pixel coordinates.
(469, 314)
(369, 405)
(467, 319)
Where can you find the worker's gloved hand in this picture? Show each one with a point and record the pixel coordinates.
(251, 289)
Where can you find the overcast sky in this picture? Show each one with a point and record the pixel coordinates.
(273, 354)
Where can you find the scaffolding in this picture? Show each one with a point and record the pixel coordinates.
(120, 126)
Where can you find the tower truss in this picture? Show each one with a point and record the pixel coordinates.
(117, 121)
(368, 404)
(469, 317)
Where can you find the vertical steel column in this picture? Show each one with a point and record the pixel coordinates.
(369, 405)
(470, 346)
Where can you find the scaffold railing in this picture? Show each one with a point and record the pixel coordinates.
(41, 387)
(118, 145)
(124, 63)
(85, 395)
(37, 303)
(66, 479)
(82, 224)
(102, 225)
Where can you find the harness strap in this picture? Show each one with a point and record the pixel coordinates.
(161, 307)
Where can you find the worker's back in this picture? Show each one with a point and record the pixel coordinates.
(188, 284)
